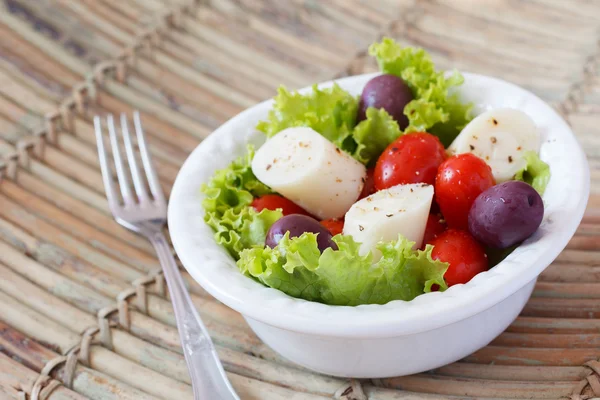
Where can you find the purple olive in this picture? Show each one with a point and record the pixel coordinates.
(388, 92)
(506, 214)
(296, 225)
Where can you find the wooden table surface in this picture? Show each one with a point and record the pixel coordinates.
(83, 312)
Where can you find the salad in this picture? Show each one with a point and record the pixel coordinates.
(385, 196)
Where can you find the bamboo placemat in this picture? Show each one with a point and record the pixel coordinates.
(83, 312)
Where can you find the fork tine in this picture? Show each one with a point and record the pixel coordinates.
(151, 175)
(116, 151)
(104, 165)
(138, 183)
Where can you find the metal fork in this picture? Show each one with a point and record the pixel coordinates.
(145, 213)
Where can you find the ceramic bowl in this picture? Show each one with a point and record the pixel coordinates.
(400, 337)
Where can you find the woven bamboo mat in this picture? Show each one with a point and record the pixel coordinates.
(83, 312)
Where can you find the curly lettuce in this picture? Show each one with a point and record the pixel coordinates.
(435, 108)
(344, 277)
(330, 111)
(227, 200)
(536, 172)
(374, 134)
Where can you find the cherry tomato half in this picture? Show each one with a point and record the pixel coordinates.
(465, 256)
(460, 179)
(334, 226)
(412, 158)
(436, 225)
(275, 201)
(369, 187)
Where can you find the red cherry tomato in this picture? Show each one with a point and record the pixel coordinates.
(465, 256)
(460, 179)
(275, 201)
(436, 225)
(334, 226)
(412, 158)
(369, 187)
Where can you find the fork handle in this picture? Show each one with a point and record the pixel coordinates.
(206, 372)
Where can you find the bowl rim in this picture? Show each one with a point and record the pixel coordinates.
(204, 260)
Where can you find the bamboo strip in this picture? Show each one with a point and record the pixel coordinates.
(65, 263)
(303, 21)
(363, 11)
(136, 14)
(152, 109)
(160, 360)
(342, 18)
(101, 241)
(180, 71)
(51, 90)
(77, 296)
(13, 91)
(178, 90)
(16, 48)
(554, 340)
(63, 287)
(153, 6)
(161, 151)
(326, 52)
(67, 185)
(80, 210)
(570, 273)
(562, 308)
(512, 372)
(19, 216)
(149, 107)
(379, 393)
(546, 86)
(89, 46)
(579, 257)
(173, 99)
(16, 379)
(584, 10)
(85, 12)
(548, 47)
(257, 59)
(229, 74)
(532, 356)
(36, 325)
(224, 63)
(41, 328)
(514, 18)
(217, 103)
(86, 381)
(55, 51)
(555, 325)
(220, 319)
(118, 98)
(578, 290)
(124, 22)
(113, 365)
(481, 388)
(207, 17)
(591, 243)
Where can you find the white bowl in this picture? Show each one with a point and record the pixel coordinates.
(400, 337)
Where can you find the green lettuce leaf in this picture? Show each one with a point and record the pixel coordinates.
(374, 134)
(536, 172)
(227, 200)
(435, 108)
(243, 229)
(330, 111)
(343, 277)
